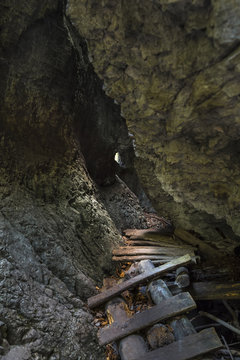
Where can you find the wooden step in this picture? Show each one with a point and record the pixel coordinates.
(173, 244)
(159, 291)
(213, 290)
(148, 234)
(139, 279)
(160, 258)
(150, 250)
(168, 308)
(187, 348)
(204, 248)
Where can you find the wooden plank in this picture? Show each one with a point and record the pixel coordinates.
(213, 291)
(182, 279)
(204, 248)
(160, 258)
(186, 348)
(159, 244)
(148, 233)
(139, 279)
(149, 250)
(159, 291)
(168, 308)
(132, 345)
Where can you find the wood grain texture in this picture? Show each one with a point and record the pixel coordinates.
(150, 250)
(148, 234)
(161, 258)
(133, 345)
(139, 279)
(163, 243)
(213, 290)
(204, 248)
(186, 348)
(168, 308)
(159, 291)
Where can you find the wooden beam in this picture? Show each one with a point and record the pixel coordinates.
(150, 250)
(148, 234)
(159, 291)
(133, 345)
(186, 348)
(204, 248)
(182, 279)
(168, 308)
(213, 291)
(159, 244)
(139, 279)
(161, 258)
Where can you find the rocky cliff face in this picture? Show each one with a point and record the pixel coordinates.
(173, 66)
(55, 234)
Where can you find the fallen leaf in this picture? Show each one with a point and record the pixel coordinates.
(104, 323)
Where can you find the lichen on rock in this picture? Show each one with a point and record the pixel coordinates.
(173, 67)
(56, 236)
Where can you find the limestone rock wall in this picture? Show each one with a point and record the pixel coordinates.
(173, 66)
(55, 234)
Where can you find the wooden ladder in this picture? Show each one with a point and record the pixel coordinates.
(186, 348)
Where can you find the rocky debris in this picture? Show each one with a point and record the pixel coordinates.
(123, 206)
(173, 68)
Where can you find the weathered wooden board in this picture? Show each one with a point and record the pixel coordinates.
(168, 308)
(148, 234)
(149, 250)
(182, 279)
(213, 291)
(139, 279)
(204, 248)
(186, 348)
(133, 345)
(159, 291)
(158, 244)
(162, 259)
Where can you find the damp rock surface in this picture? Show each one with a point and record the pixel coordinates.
(173, 66)
(56, 237)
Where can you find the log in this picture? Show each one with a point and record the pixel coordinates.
(117, 310)
(133, 345)
(168, 308)
(159, 334)
(157, 239)
(145, 266)
(213, 291)
(186, 348)
(160, 292)
(182, 277)
(204, 248)
(139, 279)
(149, 234)
(150, 250)
(132, 271)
